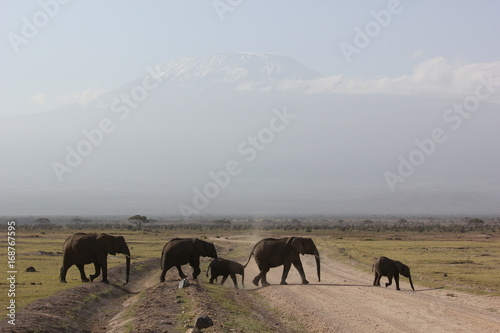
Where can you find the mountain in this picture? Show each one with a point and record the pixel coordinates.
(235, 68)
(247, 151)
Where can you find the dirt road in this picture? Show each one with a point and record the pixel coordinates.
(345, 301)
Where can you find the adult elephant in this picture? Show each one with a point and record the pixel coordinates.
(272, 252)
(182, 251)
(384, 266)
(81, 249)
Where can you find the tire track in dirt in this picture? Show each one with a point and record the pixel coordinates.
(123, 306)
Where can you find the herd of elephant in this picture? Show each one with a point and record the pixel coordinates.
(81, 249)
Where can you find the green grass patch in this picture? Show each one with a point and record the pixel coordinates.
(187, 315)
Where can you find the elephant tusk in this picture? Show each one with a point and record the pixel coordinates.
(130, 257)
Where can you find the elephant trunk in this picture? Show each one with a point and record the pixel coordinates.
(316, 255)
(411, 283)
(127, 269)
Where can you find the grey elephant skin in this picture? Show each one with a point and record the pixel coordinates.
(182, 251)
(81, 249)
(224, 267)
(272, 252)
(384, 266)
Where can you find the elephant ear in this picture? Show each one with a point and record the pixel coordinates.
(106, 243)
(401, 267)
(204, 249)
(119, 244)
(199, 247)
(298, 244)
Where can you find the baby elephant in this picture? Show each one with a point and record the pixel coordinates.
(384, 266)
(226, 268)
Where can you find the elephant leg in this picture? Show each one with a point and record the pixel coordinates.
(196, 272)
(298, 265)
(233, 277)
(164, 272)
(389, 277)
(212, 278)
(224, 278)
(97, 272)
(263, 277)
(376, 281)
(103, 263)
(286, 269)
(63, 271)
(396, 279)
(256, 280)
(181, 273)
(195, 263)
(82, 273)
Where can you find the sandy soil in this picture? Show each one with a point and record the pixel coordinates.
(344, 301)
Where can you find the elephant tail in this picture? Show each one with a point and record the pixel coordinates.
(250, 256)
(208, 268)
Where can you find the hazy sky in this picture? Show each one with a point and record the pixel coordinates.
(54, 53)
(396, 74)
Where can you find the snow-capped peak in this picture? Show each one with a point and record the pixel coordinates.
(235, 68)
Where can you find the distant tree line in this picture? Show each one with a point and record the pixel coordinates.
(139, 222)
